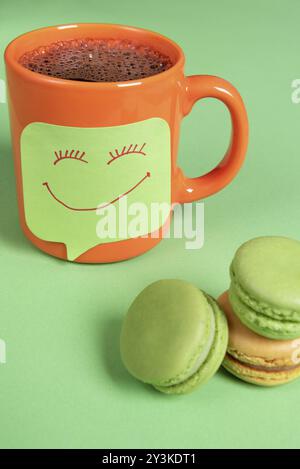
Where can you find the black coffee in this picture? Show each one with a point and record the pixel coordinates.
(96, 60)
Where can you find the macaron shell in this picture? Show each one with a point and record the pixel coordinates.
(247, 346)
(261, 324)
(259, 377)
(261, 307)
(165, 331)
(268, 270)
(257, 359)
(213, 361)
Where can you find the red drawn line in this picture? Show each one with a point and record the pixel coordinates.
(127, 151)
(60, 156)
(101, 206)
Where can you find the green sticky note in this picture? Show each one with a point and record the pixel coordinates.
(69, 172)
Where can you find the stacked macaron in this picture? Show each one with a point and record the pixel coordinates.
(174, 337)
(263, 311)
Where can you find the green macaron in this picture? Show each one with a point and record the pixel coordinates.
(174, 337)
(265, 286)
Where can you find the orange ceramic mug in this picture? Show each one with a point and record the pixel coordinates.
(67, 133)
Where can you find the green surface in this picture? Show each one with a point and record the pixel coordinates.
(99, 182)
(63, 384)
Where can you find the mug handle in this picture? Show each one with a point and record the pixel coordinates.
(207, 86)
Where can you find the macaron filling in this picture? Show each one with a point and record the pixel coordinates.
(174, 336)
(253, 357)
(213, 360)
(261, 367)
(200, 358)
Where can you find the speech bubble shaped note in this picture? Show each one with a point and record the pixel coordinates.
(69, 172)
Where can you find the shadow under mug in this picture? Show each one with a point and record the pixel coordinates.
(80, 146)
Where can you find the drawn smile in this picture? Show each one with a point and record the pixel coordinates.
(46, 184)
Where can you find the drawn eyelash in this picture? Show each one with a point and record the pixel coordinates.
(127, 150)
(74, 155)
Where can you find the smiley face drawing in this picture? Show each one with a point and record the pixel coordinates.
(70, 172)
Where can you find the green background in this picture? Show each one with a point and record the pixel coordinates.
(63, 384)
